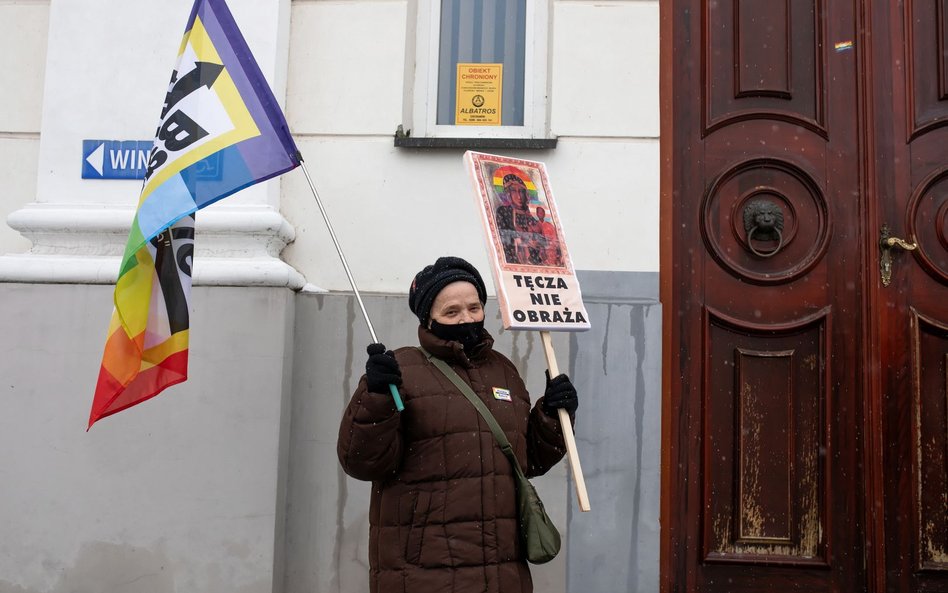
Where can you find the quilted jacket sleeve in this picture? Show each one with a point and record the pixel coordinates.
(545, 443)
(370, 441)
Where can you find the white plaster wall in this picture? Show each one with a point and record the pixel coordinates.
(605, 70)
(391, 222)
(607, 193)
(18, 153)
(23, 58)
(419, 204)
(107, 71)
(180, 493)
(110, 62)
(394, 210)
(605, 111)
(346, 69)
(344, 96)
(106, 81)
(23, 29)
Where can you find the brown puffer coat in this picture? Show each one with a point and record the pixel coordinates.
(443, 515)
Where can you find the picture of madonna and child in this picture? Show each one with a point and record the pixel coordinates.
(528, 237)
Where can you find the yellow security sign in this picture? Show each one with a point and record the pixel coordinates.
(479, 92)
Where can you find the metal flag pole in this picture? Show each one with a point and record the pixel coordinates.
(398, 399)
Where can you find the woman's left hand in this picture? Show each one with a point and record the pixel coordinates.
(560, 393)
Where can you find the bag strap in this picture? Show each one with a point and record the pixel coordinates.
(466, 390)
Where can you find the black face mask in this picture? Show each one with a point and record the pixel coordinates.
(468, 334)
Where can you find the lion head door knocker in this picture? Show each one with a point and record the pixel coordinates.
(763, 221)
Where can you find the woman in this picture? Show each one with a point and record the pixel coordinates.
(443, 516)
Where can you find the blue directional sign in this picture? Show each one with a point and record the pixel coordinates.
(115, 159)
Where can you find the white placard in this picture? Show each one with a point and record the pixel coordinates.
(533, 273)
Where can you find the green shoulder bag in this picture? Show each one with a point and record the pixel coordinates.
(540, 537)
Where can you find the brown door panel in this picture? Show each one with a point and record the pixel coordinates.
(762, 58)
(911, 82)
(765, 441)
(763, 275)
(930, 434)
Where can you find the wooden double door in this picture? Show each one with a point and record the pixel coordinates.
(805, 295)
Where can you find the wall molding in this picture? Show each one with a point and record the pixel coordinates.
(235, 245)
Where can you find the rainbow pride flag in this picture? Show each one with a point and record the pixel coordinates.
(220, 131)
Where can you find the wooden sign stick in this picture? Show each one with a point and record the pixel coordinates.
(567, 428)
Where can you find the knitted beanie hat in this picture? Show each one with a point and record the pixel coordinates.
(429, 282)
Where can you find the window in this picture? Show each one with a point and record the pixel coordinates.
(497, 51)
(485, 32)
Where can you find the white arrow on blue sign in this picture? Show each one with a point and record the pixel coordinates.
(115, 159)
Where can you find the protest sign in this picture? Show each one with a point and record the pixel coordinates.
(533, 273)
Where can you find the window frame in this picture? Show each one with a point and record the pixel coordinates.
(421, 101)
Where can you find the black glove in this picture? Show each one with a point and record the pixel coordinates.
(560, 393)
(381, 369)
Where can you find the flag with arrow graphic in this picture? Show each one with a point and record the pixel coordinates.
(220, 130)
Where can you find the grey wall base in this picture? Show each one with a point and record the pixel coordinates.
(180, 493)
(617, 368)
(229, 482)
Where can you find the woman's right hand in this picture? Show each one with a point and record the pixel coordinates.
(381, 369)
